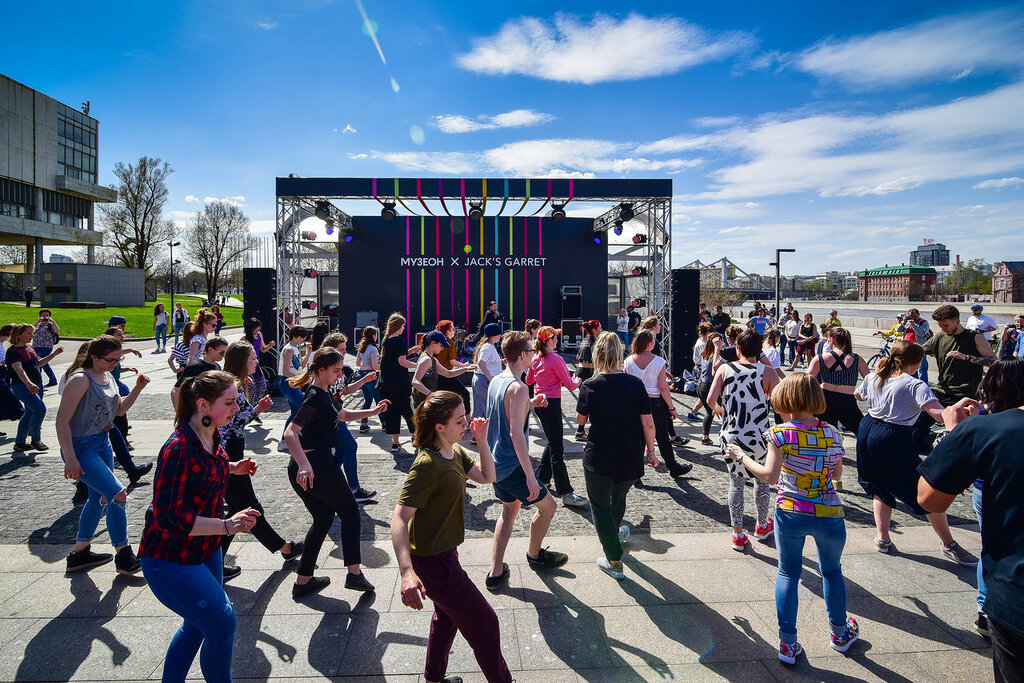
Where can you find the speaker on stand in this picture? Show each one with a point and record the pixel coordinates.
(572, 302)
(260, 302)
(684, 316)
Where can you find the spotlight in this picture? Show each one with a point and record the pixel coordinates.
(597, 239)
(639, 239)
(309, 305)
(638, 303)
(618, 228)
(310, 272)
(330, 226)
(626, 212)
(476, 211)
(323, 210)
(558, 212)
(388, 212)
(348, 239)
(309, 236)
(639, 270)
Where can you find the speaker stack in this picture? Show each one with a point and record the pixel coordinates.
(684, 316)
(260, 302)
(572, 317)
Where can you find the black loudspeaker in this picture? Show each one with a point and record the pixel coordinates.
(572, 302)
(684, 317)
(259, 286)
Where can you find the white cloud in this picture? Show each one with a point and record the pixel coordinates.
(888, 187)
(266, 25)
(574, 50)
(998, 183)
(452, 163)
(347, 129)
(940, 49)
(518, 118)
(237, 200)
(181, 215)
(357, 156)
(191, 198)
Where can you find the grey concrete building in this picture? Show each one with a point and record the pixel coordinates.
(111, 285)
(49, 153)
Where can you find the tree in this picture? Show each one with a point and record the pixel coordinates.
(216, 240)
(968, 278)
(11, 254)
(135, 221)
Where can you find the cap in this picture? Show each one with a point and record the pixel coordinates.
(492, 330)
(436, 336)
(977, 307)
(547, 332)
(117, 320)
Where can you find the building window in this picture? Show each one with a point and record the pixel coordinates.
(76, 136)
(16, 210)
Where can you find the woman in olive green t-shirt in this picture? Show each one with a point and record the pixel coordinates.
(428, 526)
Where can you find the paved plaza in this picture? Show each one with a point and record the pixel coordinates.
(690, 607)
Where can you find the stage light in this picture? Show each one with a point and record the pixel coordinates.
(330, 309)
(638, 303)
(476, 211)
(639, 270)
(388, 212)
(626, 212)
(308, 235)
(310, 272)
(597, 239)
(309, 305)
(323, 210)
(558, 212)
(639, 239)
(330, 230)
(348, 239)
(618, 228)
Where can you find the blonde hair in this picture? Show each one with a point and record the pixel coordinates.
(799, 393)
(607, 353)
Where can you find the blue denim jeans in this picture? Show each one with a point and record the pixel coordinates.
(346, 454)
(42, 352)
(97, 462)
(195, 593)
(982, 588)
(371, 394)
(32, 421)
(829, 535)
(624, 338)
(178, 329)
(788, 344)
(161, 336)
(480, 384)
(294, 397)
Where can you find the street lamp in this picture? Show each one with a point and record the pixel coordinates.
(172, 245)
(778, 303)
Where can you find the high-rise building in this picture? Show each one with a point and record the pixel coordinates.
(48, 164)
(930, 254)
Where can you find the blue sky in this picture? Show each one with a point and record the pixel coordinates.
(850, 132)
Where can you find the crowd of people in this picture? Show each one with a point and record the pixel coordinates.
(783, 431)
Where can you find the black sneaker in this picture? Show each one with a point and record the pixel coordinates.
(81, 495)
(38, 445)
(296, 551)
(706, 441)
(362, 495)
(358, 582)
(679, 441)
(86, 559)
(395, 448)
(680, 470)
(126, 562)
(452, 679)
(317, 583)
(547, 559)
(364, 429)
(230, 572)
(139, 473)
(493, 583)
(22, 447)
(581, 435)
(981, 625)
(51, 383)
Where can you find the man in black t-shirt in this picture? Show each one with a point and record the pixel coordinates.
(634, 323)
(988, 447)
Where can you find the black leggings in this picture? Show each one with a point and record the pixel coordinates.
(842, 408)
(400, 408)
(552, 461)
(702, 391)
(662, 419)
(240, 495)
(328, 496)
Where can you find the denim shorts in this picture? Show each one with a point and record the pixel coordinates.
(513, 487)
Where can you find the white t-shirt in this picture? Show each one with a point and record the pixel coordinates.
(898, 401)
(622, 324)
(648, 375)
(772, 354)
(162, 318)
(490, 359)
(792, 329)
(977, 322)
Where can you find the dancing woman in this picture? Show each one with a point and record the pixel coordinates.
(839, 372)
(368, 360)
(548, 374)
(428, 560)
(27, 385)
(240, 362)
(713, 346)
(449, 358)
(428, 371)
(180, 546)
(488, 366)
(87, 408)
(394, 384)
(293, 363)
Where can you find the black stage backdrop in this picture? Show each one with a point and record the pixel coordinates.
(432, 268)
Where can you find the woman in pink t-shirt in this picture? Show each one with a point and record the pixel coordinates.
(549, 374)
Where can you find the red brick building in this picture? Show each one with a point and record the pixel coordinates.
(1008, 282)
(896, 283)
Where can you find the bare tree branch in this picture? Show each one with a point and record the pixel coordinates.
(217, 238)
(135, 222)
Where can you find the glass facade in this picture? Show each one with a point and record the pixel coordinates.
(76, 136)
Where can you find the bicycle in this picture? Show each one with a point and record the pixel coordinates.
(883, 350)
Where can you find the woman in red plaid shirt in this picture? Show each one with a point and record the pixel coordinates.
(180, 549)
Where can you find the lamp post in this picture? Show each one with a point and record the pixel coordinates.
(172, 245)
(778, 302)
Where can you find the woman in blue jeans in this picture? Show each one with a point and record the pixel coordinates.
(805, 457)
(292, 364)
(27, 385)
(180, 549)
(88, 405)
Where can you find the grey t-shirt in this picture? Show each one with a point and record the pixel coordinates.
(366, 357)
(898, 401)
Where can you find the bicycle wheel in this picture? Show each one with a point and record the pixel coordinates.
(873, 361)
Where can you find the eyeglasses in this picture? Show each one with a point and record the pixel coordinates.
(112, 361)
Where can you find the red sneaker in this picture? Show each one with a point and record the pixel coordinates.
(739, 541)
(763, 531)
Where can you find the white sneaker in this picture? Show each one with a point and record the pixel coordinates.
(574, 500)
(282, 446)
(612, 569)
(623, 533)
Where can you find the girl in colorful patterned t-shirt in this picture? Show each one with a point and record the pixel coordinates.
(804, 456)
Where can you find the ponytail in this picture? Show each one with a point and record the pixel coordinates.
(208, 386)
(901, 354)
(322, 358)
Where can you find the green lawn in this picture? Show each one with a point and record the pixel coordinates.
(84, 322)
